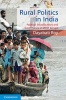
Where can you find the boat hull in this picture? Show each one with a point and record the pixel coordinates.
(25, 90)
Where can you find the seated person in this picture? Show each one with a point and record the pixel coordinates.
(25, 68)
(46, 80)
(44, 73)
(33, 73)
(37, 53)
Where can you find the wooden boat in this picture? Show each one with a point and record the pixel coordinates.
(29, 89)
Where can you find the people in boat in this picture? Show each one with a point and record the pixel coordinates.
(46, 80)
(2, 48)
(7, 57)
(3, 23)
(25, 33)
(1, 61)
(41, 67)
(18, 35)
(25, 47)
(2, 51)
(15, 32)
(33, 73)
(25, 70)
(44, 73)
(9, 31)
(3, 14)
(2, 36)
(37, 55)
(17, 64)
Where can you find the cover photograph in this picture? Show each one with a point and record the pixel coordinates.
(32, 50)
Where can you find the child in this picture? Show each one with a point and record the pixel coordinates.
(25, 70)
(25, 34)
(3, 36)
(25, 47)
(9, 31)
(41, 67)
(2, 51)
(7, 57)
(1, 61)
(9, 40)
(2, 48)
(17, 62)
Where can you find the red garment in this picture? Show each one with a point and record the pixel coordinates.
(33, 76)
(33, 73)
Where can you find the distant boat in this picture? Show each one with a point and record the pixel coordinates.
(30, 89)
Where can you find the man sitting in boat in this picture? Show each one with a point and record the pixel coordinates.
(37, 55)
(3, 23)
(44, 75)
(46, 79)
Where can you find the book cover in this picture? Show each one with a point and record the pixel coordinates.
(42, 22)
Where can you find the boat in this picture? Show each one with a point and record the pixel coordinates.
(25, 89)
(28, 89)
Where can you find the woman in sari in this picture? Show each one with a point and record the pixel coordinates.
(37, 55)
